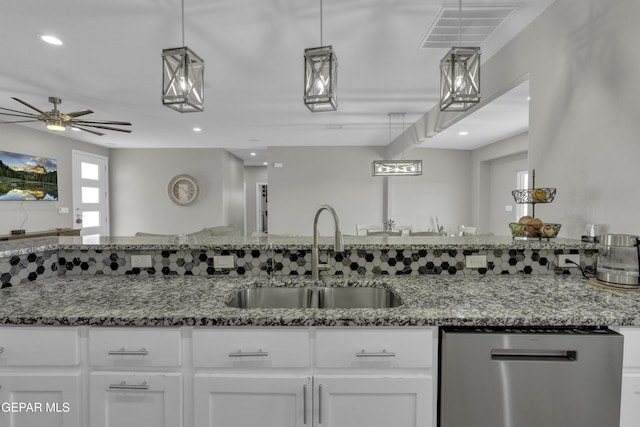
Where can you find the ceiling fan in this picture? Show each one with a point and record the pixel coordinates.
(57, 121)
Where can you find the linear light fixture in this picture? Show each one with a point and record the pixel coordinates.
(460, 75)
(182, 78)
(396, 167)
(320, 76)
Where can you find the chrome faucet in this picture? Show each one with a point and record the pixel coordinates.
(338, 244)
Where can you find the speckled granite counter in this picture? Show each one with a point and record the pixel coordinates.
(428, 300)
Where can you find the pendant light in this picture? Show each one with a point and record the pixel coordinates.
(182, 78)
(320, 76)
(460, 75)
(397, 167)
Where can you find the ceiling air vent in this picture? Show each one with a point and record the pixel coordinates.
(479, 21)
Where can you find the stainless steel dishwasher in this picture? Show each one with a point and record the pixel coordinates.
(529, 377)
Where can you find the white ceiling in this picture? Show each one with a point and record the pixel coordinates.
(111, 63)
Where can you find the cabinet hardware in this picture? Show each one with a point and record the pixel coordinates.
(240, 353)
(123, 352)
(304, 404)
(383, 353)
(1, 350)
(122, 385)
(319, 403)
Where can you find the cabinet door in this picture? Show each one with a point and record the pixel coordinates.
(234, 401)
(40, 400)
(135, 400)
(373, 401)
(630, 404)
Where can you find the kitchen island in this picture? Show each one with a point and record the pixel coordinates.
(108, 340)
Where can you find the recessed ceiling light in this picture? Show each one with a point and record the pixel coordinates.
(265, 163)
(253, 154)
(463, 133)
(197, 129)
(47, 38)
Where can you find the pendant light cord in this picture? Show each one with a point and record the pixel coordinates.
(320, 22)
(459, 23)
(183, 23)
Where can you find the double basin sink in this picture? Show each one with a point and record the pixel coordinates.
(314, 297)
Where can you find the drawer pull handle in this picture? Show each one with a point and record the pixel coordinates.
(241, 353)
(123, 352)
(383, 353)
(122, 385)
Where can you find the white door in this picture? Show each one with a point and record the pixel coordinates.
(236, 401)
(90, 194)
(135, 400)
(373, 401)
(43, 399)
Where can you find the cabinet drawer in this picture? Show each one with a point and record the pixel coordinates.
(134, 347)
(631, 358)
(366, 347)
(251, 348)
(35, 346)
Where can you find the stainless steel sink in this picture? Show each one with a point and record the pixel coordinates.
(314, 297)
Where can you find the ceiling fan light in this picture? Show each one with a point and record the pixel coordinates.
(460, 79)
(55, 125)
(182, 80)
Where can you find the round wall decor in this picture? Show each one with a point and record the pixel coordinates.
(183, 190)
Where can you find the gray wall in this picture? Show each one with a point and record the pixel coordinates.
(341, 177)
(138, 185)
(583, 119)
(42, 215)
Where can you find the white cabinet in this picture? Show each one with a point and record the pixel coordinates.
(135, 377)
(250, 401)
(40, 377)
(373, 401)
(135, 399)
(630, 400)
(331, 377)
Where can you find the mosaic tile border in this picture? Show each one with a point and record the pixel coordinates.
(288, 262)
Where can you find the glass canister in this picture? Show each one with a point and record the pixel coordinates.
(619, 259)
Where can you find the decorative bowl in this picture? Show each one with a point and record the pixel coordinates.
(536, 195)
(525, 230)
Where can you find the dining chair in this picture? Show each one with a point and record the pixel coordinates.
(362, 229)
(384, 233)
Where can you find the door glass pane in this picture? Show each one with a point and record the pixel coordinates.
(89, 171)
(90, 219)
(90, 195)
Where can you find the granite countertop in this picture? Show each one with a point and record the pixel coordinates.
(19, 247)
(428, 300)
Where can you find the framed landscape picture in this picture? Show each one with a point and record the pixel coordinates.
(24, 177)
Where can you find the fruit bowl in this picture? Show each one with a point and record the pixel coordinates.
(537, 195)
(538, 231)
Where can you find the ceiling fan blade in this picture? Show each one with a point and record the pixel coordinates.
(31, 106)
(78, 113)
(22, 113)
(19, 121)
(101, 122)
(86, 130)
(104, 127)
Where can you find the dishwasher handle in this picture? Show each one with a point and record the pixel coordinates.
(533, 355)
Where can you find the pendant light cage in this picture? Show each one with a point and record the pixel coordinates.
(182, 80)
(460, 79)
(320, 79)
(320, 76)
(396, 167)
